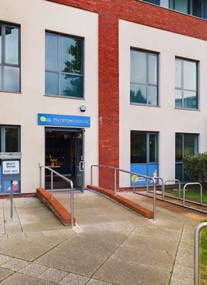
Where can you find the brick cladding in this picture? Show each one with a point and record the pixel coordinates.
(110, 11)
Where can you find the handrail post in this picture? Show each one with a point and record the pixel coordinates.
(154, 201)
(72, 204)
(91, 174)
(51, 181)
(197, 252)
(40, 183)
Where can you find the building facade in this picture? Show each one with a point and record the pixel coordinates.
(82, 83)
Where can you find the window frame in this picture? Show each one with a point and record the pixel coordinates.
(59, 71)
(147, 84)
(182, 88)
(3, 137)
(3, 63)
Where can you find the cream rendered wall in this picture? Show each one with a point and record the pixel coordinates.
(35, 17)
(164, 119)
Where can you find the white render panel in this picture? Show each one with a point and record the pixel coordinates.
(35, 17)
(164, 119)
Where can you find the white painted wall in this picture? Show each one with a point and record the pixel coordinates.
(35, 17)
(164, 119)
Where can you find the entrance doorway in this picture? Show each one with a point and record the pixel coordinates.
(64, 153)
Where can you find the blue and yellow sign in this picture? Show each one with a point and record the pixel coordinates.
(63, 120)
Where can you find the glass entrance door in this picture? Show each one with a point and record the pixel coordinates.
(64, 154)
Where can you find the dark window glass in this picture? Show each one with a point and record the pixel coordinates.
(186, 144)
(64, 66)
(11, 139)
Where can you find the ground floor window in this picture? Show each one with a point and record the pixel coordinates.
(144, 155)
(185, 144)
(9, 143)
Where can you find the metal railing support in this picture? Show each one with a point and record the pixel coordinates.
(71, 188)
(197, 252)
(193, 183)
(173, 180)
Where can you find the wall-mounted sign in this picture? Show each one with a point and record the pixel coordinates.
(63, 120)
(10, 167)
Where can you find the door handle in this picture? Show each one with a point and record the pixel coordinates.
(81, 165)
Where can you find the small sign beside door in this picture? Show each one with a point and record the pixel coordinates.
(10, 167)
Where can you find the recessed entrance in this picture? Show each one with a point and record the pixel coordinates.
(64, 154)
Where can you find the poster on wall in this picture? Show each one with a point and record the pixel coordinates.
(150, 170)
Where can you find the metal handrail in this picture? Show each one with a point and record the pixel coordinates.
(52, 171)
(193, 183)
(197, 252)
(173, 180)
(131, 173)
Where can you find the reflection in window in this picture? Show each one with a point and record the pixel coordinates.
(143, 77)
(144, 147)
(64, 66)
(186, 85)
(9, 58)
(9, 139)
(185, 144)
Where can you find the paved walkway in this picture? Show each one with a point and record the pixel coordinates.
(109, 245)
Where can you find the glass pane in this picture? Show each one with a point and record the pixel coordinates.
(51, 52)
(71, 86)
(152, 95)
(51, 83)
(138, 94)
(190, 99)
(71, 55)
(179, 171)
(181, 5)
(190, 144)
(138, 147)
(12, 45)
(138, 67)
(152, 69)
(178, 98)
(197, 8)
(11, 79)
(190, 75)
(178, 76)
(12, 140)
(153, 148)
(178, 148)
(0, 141)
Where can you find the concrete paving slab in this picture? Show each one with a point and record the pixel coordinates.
(74, 279)
(124, 273)
(15, 264)
(109, 245)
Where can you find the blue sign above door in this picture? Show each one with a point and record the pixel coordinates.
(63, 120)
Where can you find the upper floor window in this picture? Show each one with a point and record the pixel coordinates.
(186, 86)
(64, 66)
(9, 58)
(144, 77)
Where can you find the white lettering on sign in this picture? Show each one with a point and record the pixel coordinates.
(11, 167)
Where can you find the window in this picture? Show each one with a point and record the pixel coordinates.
(144, 155)
(186, 85)
(196, 8)
(9, 58)
(144, 77)
(64, 66)
(9, 139)
(185, 144)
